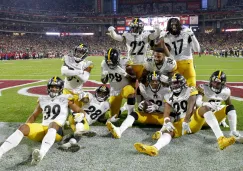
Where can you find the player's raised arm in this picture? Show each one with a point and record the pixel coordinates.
(193, 40)
(113, 34)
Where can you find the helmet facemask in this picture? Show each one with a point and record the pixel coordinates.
(154, 82)
(174, 26)
(216, 84)
(102, 93)
(136, 27)
(55, 87)
(177, 84)
(80, 53)
(112, 58)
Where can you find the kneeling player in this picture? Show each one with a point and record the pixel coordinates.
(213, 94)
(55, 111)
(151, 109)
(182, 100)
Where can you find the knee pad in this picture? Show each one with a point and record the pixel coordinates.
(229, 108)
(131, 101)
(135, 115)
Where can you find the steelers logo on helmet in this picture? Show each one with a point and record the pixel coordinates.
(55, 86)
(136, 26)
(80, 52)
(153, 80)
(217, 81)
(174, 26)
(102, 93)
(177, 83)
(112, 58)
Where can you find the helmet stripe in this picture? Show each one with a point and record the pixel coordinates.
(81, 45)
(109, 54)
(219, 74)
(154, 74)
(136, 20)
(55, 79)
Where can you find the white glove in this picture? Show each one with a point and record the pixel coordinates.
(162, 34)
(113, 119)
(104, 74)
(167, 127)
(140, 105)
(152, 108)
(214, 106)
(88, 64)
(164, 79)
(224, 124)
(189, 31)
(121, 71)
(185, 128)
(111, 28)
(78, 117)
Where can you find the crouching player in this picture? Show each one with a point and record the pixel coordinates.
(55, 111)
(95, 107)
(182, 100)
(150, 110)
(213, 94)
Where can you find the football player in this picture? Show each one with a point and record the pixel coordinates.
(95, 107)
(184, 118)
(150, 110)
(137, 42)
(180, 41)
(54, 108)
(120, 76)
(213, 94)
(76, 71)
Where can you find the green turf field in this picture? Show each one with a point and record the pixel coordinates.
(16, 108)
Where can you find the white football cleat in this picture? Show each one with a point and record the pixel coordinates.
(238, 137)
(36, 157)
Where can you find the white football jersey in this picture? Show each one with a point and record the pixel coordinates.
(180, 46)
(168, 66)
(179, 103)
(156, 98)
(94, 109)
(116, 80)
(73, 83)
(211, 96)
(137, 46)
(54, 109)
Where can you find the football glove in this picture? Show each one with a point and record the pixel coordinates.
(152, 108)
(185, 128)
(164, 79)
(168, 127)
(214, 106)
(113, 119)
(111, 28)
(78, 117)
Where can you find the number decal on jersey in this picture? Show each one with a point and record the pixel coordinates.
(180, 49)
(158, 102)
(180, 106)
(54, 111)
(212, 100)
(93, 113)
(170, 61)
(134, 44)
(115, 76)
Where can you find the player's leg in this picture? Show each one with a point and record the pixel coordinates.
(138, 69)
(47, 142)
(115, 104)
(211, 120)
(190, 73)
(14, 139)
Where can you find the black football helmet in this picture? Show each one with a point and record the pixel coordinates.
(80, 52)
(217, 81)
(112, 58)
(102, 93)
(174, 26)
(177, 83)
(153, 80)
(136, 26)
(55, 86)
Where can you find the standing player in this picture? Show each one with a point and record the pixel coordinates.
(150, 110)
(55, 111)
(120, 77)
(182, 101)
(137, 43)
(180, 41)
(215, 92)
(76, 71)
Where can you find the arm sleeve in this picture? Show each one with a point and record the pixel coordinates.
(116, 36)
(84, 76)
(67, 72)
(199, 101)
(195, 44)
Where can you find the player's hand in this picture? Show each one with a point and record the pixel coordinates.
(88, 64)
(186, 128)
(163, 34)
(167, 127)
(78, 117)
(164, 79)
(224, 124)
(104, 74)
(121, 71)
(152, 108)
(212, 105)
(140, 106)
(111, 28)
(189, 31)
(113, 119)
